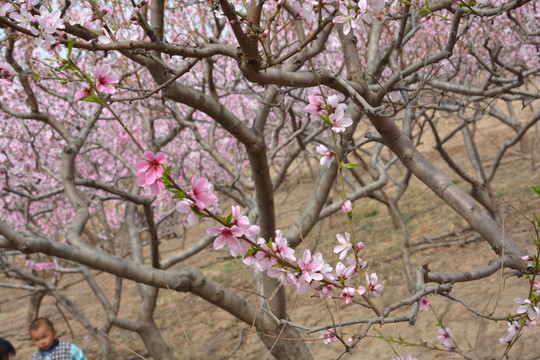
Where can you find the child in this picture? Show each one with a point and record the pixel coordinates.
(43, 336)
(5, 349)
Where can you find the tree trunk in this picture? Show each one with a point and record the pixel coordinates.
(154, 342)
(285, 349)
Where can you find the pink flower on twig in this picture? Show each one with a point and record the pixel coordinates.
(347, 206)
(328, 155)
(424, 303)
(79, 94)
(104, 80)
(373, 287)
(344, 245)
(226, 235)
(150, 171)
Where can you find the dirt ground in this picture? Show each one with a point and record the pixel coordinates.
(214, 334)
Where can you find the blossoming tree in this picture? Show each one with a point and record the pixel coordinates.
(193, 99)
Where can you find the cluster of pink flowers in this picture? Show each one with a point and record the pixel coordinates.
(202, 198)
(330, 110)
(39, 266)
(352, 13)
(333, 113)
(328, 336)
(104, 82)
(42, 26)
(445, 336)
(232, 235)
(273, 256)
(527, 310)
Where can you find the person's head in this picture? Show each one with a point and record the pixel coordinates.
(6, 349)
(42, 333)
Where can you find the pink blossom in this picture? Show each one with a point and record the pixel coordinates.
(150, 171)
(315, 107)
(527, 258)
(264, 261)
(348, 294)
(507, 340)
(202, 193)
(184, 206)
(326, 291)
(226, 235)
(344, 245)
(79, 94)
(344, 273)
(328, 336)
(104, 80)
(242, 222)
(328, 155)
(6, 73)
(445, 336)
(339, 124)
(373, 287)
(527, 307)
(347, 206)
(351, 261)
(347, 17)
(39, 266)
(536, 287)
(335, 107)
(408, 357)
(513, 327)
(281, 247)
(424, 303)
(311, 267)
(47, 24)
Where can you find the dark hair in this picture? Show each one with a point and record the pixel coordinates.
(39, 322)
(6, 348)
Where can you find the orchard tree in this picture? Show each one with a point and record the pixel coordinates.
(205, 102)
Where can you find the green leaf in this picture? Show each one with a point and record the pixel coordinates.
(167, 170)
(70, 47)
(64, 82)
(93, 99)
(537, 220)
(536, 189)
(350, 166)
(342, 196)
(424, 12)
(66, 65)
(326, 120)
(228, 220)
(407, 2)
(252, 251)
(179, 194)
